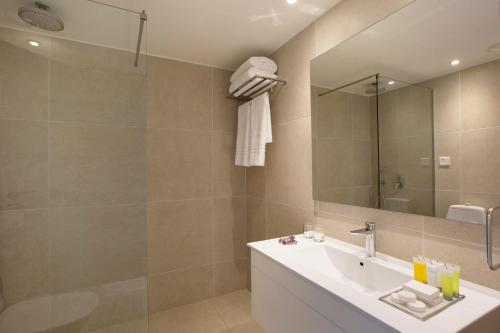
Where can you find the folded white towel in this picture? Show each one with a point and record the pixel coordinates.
(248, 75)
(262, 63)
(254, 131)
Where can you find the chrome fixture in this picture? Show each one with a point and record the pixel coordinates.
(369, 233)
(266, 83)
(489, 245)
(143, 17)
(399, 184)
(39, 16)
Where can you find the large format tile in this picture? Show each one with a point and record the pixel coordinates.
(24, 254)
(448, 145)
(24, 167)
(334, 116)
(229, 235)
(229, 180)
(285, 220)
(179, 235)
(179, 95)
(230, 276)
(256, 219)
(256, 182)
(180, 287)
(91, 246)
(92, 165)
(179, 164)
(289, 166)
(446, 96)
(225, 109)
(390, 241)
(24, 73)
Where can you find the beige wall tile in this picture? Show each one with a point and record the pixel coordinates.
(179, 164)
(96, 95)
(82, 254)
(414, 111)
(24, 254)
(179, 95)
(23, 171)
(361, 163)
(448, 145)
(444, 199)
(293, 101)
(469, 256)
(229, 236)
(481, 161)
(411, 151)
(446, 94)
(480, 99)
(339, 227)
(399, 243)
(93, 165)
(229, 180)
(286, 220)
(334, 116)
(256, 219)
(230, 276)
(23, 76)
(350, 17)
(289, 167)
(179, 235)
(256, 182)
(180, 287)
(225, 109)
(333, 163)
(361, 118)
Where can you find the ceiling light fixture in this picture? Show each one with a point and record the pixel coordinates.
(391, 83)
(34, 43)
(291, 2)
(494, 48)
(455, 62)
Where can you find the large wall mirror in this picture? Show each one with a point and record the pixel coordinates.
(406, 114)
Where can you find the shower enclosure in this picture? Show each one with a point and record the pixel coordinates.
(73, 241)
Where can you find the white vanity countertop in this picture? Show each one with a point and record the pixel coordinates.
(478, 300)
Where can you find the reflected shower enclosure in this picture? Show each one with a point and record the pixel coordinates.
(73, 236)
(373, 145)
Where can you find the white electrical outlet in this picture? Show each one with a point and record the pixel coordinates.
(444, 161)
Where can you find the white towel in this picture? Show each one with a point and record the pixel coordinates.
(254, 131)
(247, 75)
(262, 63)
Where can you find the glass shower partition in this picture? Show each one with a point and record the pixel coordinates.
(73, 241)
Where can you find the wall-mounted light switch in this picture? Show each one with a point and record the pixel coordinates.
(444, 161)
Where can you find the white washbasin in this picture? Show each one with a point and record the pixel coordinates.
(367, 275)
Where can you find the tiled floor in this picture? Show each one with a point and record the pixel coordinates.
(224, 314)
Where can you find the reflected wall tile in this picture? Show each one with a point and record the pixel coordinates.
(481, 161)
(361, 163)
(415, 161)
(293, 101)
(361, 117)
(448, 145)
(93, 165)
(414, 111)
(229, 236)
(24, 75)
(289, 167)
(82, 253)
(388, 115)
(286, 220)
(334, 163)
(444, 199)
(230, 276)
(225, 109)
(179, 164)
(446, 94)
(229, 180)
(179, 235)
(103, 95)
(334, 116)
(179, 95)
(24, 167)
(24, 254)
(180, 287)
(480, 98)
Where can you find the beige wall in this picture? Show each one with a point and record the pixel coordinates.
(467, 118)
(196, 196)
(280, 196)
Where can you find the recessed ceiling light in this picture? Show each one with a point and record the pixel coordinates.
(391, 83)
(34, 43)
(291, 2)
(494, 48)
(455, 62)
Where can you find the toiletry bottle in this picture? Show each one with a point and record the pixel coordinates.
(447, 282)
(456, 280)
(432, 268)
(419, 269)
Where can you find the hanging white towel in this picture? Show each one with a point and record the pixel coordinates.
(262, 63)
(248, 75)
(254, 131)
(243, 135)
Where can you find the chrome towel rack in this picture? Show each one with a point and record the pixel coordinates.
(489, 237)
(243, 89)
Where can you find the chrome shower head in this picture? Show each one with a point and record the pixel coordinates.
(40, 17)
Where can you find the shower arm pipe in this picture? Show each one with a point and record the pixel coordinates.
(143, 17)
(347, 85)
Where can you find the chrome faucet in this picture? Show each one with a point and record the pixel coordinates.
(369, 233)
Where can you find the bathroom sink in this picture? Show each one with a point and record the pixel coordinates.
(351, 268)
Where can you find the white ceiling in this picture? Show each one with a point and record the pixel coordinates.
(220, 33)
(415, 44)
